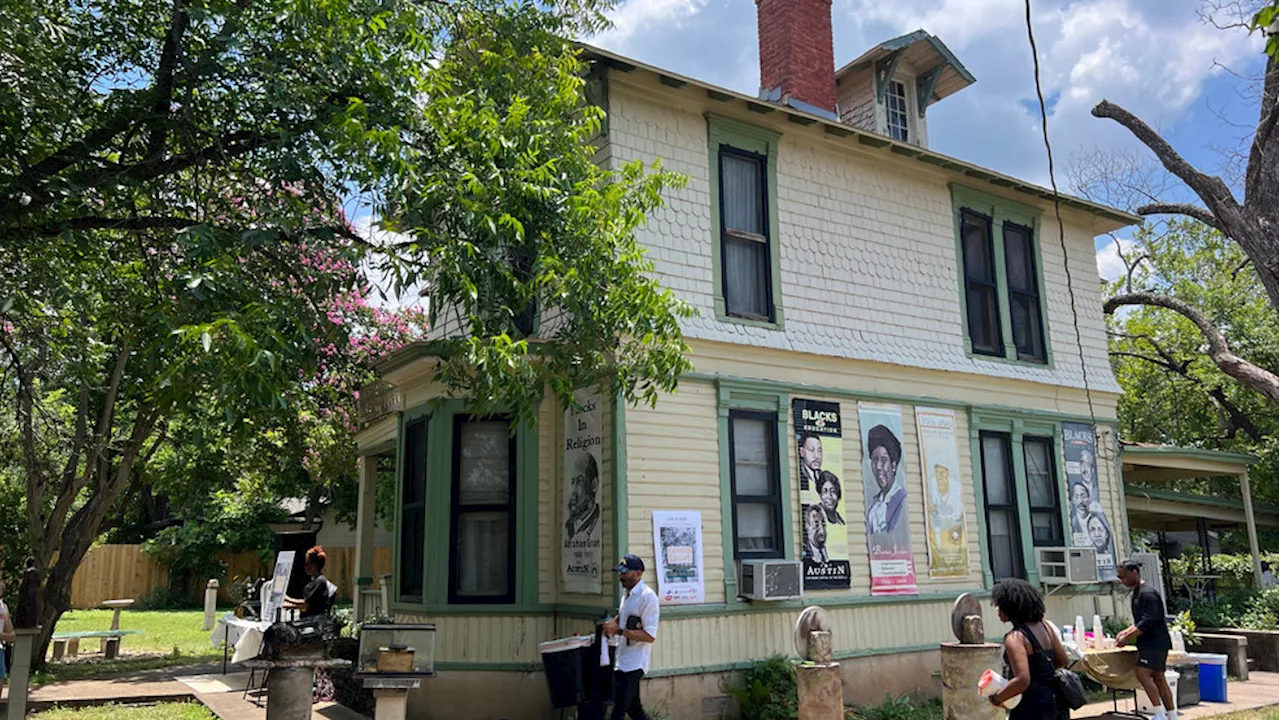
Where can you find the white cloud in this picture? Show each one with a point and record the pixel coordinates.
(636, 17)
(1110, 266)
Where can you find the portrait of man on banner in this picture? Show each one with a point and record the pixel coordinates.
(823, 512)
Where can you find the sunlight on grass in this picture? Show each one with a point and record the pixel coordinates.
(163, 711)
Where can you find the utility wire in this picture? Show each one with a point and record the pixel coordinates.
(1057, 212)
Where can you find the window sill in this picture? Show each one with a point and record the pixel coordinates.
(973, 355)
(775, 324)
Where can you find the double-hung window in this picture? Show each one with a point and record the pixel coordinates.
(743, 163)
(745, 235)
(482, 550)
(1024, 293)
(413, 505)
(982, 293)
(1043, 493)
(756, 485)
(1004, 545)
(1001, 290)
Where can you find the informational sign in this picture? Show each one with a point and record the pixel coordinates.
(582, 543)
(279, 583)
(677, 547)
(944, 499)
(884, 491)
(1089, 524)
(823, 511)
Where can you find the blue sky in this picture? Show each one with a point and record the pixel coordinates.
(1157, 58)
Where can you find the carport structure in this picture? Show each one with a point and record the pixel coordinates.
(1145, 468)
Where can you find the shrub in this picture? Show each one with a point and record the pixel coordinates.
(768, 690)
(1246, 608)
(1261, 611)
(899, 708)
(1236, 570)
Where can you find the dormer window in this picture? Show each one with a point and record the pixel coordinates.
(897, 118)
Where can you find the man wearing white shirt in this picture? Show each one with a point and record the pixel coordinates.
(636, 626)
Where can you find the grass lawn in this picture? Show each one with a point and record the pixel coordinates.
(169, 638)
(1266, 713)
(163, 711)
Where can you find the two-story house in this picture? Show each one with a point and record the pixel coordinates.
(901, 386)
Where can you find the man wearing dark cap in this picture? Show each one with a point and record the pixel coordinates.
(636, 627)
(1150, 634)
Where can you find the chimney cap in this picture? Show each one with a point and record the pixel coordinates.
(922, 51)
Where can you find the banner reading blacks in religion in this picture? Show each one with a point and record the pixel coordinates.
(822, 504)
(582, 546)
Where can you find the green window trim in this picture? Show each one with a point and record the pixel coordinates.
(742, 136)
(1017, 427)
(1000, 211)
(745, 396)
(440, 431)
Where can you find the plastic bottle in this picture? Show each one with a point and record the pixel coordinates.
(993, 682)
(1098, 635)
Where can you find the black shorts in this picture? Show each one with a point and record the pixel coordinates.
(1153, 658)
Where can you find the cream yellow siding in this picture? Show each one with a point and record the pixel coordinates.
(673, 463)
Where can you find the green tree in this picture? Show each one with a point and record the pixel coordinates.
(1173, 392)
(169, 181)
(1248, 220)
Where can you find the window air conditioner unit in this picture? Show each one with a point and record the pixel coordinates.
(771, 579)
(1066, 566)
(1051, 565)
(1082, 566)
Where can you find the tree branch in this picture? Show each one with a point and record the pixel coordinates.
(1215, 194)
(106, 223)
(1191, 211)
(170, 53)
(1258, 379)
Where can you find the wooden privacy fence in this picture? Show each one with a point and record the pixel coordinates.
(111, 572)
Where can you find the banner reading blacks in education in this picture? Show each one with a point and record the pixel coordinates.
(1089, 524)
(822, 505)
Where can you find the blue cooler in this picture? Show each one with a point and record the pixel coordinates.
(1213, 676)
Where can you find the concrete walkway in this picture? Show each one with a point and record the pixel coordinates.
(1260, 690)
(202, 683)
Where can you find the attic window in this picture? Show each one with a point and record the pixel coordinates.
(896, 110)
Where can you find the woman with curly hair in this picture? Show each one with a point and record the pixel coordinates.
(317, 596)
(1032, 652)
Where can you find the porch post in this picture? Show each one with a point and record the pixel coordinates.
(1251, 526)
(365, 521)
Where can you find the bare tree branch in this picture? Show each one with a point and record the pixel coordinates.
(1258, 379)
(1210, 189)
(1191, 211)
(107, 223)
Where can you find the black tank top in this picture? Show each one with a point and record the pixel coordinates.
(1040, 699)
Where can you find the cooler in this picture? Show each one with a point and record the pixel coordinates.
(1213, 676)
(563, 661)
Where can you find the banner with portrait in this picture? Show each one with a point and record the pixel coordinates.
(884, 492)
(823, 510)
(1089, 524)
(944, 498)
(279, 583)
(677, 545)
(582, 540)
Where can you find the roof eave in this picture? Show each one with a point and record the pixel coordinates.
(1113, 218)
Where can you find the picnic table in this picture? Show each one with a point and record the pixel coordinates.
(109, 640)
(69, 643)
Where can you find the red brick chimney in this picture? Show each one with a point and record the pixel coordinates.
(797, 62)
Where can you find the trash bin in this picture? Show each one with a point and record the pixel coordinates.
(1170, 676)
(1213, 676)
(1188, 692)
(563, 661)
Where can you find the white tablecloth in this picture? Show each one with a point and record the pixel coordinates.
(244, 635)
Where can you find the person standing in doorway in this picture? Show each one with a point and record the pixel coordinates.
(1151, 636)
(636, 627)
(1268, 577)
